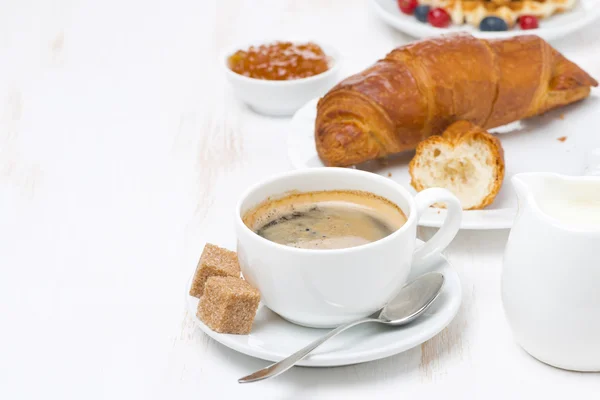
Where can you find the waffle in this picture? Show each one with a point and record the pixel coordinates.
(473, 11)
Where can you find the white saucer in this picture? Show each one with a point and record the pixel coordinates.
(529, 146)
(584, 13)
(274, 338)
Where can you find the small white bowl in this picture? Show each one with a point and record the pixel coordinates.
(281, 98)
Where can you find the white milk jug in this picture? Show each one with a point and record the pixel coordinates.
(551, 273)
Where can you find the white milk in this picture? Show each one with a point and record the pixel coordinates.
(579, 212)
(574, 203)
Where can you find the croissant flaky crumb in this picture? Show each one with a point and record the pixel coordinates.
(214, 261)
(466, 160)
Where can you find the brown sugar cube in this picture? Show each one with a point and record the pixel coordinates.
(228, 305)
(214, 261)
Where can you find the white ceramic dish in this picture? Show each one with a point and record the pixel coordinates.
(563, 214)
(280, 98)
(303, 285)
(555, 27)
(529, 146)
(274, 338)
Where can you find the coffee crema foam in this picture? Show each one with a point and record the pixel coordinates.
(325, 219)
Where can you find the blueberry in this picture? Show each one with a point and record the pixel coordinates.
(421, 12)
(493, 24)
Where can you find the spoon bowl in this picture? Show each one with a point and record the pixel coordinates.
(413, 300)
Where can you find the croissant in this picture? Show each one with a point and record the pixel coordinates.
(420, 89)
(465, 159)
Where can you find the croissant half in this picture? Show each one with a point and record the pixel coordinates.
(420, 89)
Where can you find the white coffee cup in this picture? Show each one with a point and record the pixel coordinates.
(326, 288)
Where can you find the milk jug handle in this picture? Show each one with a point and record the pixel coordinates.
(431, 249)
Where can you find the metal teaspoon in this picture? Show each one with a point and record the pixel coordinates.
(409, 304)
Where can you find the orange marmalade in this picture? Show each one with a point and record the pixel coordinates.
(280, 61)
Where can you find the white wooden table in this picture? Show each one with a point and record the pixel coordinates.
(122, 152)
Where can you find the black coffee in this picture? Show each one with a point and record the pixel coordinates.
(325, 220)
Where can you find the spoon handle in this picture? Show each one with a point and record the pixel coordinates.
(287, 363)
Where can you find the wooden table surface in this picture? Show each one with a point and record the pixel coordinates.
(122, 151)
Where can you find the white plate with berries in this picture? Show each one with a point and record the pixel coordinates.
(549, 19)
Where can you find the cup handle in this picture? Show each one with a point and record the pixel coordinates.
(434, 246)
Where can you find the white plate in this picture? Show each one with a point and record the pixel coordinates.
(557, 26)
(529, 146)
(274, 338)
